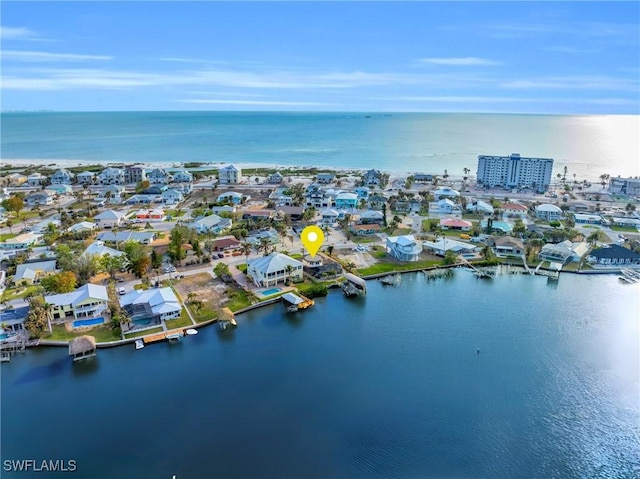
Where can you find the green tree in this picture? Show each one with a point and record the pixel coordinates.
(14, 204)
(449, 257)
(63, 282)
(112, 264)
(246, 248)
(39, 318)
(142, 185)
(156, 259)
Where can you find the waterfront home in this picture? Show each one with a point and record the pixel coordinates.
(404, 248)
(365, 229)
(329, 216)
(270, 270)
(225, 243)
(59, 189)
(143, 237)
(346, 201)
(548, 212)
(210, 224)
(151, 305)
(581, 218)
(507, 245)
(111, 176)
(377, 202)
(156, 214)
(12, 320)
(98, 248)
(231, 197)
(62, 177)
(182, 176)
(294, 213)
(85, 178)
(36, 179)
(422, 178)
(372, 177)
(446, 206)
(325, 178)
(109, 219)
(22, 241)
(563, 252)
(275, 178)
(455, 224)
(445, 244)
(613, 255)
(134, 174)
(31, 273)
(371, 217)
(158, 176)
(445, 192)
(39, 198)
(229, 175)
(172, 196)
(82, 227)
(479, 206)
(514, 210)
(113, 194)
(87, 301)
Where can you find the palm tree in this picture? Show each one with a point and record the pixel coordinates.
(288, 269)
(265, 246)
(245, 248)
(349, 266)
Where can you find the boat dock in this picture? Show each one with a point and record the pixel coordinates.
(484, 273)
(295, 302)
(163, 336)
(437, 273)
(354, 285)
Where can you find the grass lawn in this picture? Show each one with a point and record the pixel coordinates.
(591, 227)
(182, 322)
(143, 333)
(7, 236)
(365, 239)
(388, 266)
(297, 256)
(573, 266)
(628, 229)
(102, 334)
(204, 314)
(242, 268)
(141, 286)
(238, 299)
(18, 293)
(401, 231)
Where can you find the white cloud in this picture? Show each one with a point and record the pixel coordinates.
(459, 61)
(30, 56)
(252, 102)
(507, 99)
(581, 82)
(18, 33)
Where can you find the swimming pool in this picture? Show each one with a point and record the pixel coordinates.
(4, 336)
(269, 292)
(81, 323)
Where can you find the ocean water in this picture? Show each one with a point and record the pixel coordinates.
(390, 385)
(399, 142)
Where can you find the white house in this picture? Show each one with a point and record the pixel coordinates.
(36, 179)
(111, 176)
(31, 273)
(182, 176)
(82, 227)
(445, 192)
(22, 241)
(275, 178)
(112, 194)
(98, 248)
(479, 206)
(514, 209)
(446, 206)
(109, 219)
(210, 224)
(371, 217)
(156, 303)
(445, 244)
(270, 270)
(62, 177)
(563, 252)
(548, 212)
(87, 301)
(329, 216)
(372, 177)
(143, 237)
(404, 248)
(158, 176)
(172, 196)
(85, 178)
(39, 198)
(231, 196)
(587, 219)
(229, 175)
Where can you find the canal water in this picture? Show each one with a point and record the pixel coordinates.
(391, 385)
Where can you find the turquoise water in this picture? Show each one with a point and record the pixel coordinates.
(386, 386)
(79, 323)
(268, 292)
(429, 142)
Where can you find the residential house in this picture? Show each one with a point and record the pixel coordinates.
(625, 186)
(155, 190)
(626, 222)
(59, 189)
(362, 192)
(422, 178)
(15, 179)
(62, 177)
(231, 197)
(43, 227)
(112, 194)
(582, 218)
(377, 202)
(563, 252)
(39, 198)
(445, 244)
(143, 237)
(294, 213)
(614, 255)
(156, 304)
(275, 178)
(31, 273)
(514, 210)
(210, 224)
(135, 174)
(229, 175)
(158, 176)
(36, 179)
(257, 214)
(82, 227)
(404, 248)
(455, 224)
(270, 270)
(446, 206)
(507, 245)
(329, 216)
(445, 192)
(319, 199)
(548, 212)
(172, 196)
(98, 248)
(479, 206)
(111, 176)
(20, 242)
(365, 229)
(85, 178)
(156, 214)
(325, 178)
(143, 199)
(372, 177)
(87, 301)
(184, 188)
(182, 176)
(109, 219)
(227, 209)
(225, 242)
(371, 217)
(346, 201)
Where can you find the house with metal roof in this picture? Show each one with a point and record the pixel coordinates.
(210, 224)
(31, 273)
(404, 248)
(109, 219)
(62, 177)
(87, 301)
(548, 212)
(271, 270)
(98, 248)
(155, 304)
(229, 175)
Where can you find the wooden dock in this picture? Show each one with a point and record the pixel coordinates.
(154, 338)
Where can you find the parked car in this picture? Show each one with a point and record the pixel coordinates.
(121, 291)
(220, 255)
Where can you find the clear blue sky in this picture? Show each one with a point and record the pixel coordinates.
(547, 57)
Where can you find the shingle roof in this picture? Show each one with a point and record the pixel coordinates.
(614, 251)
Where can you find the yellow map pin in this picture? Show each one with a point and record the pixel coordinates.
(312, 238)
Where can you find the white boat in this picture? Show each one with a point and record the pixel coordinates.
(191, 331)
(139, 344)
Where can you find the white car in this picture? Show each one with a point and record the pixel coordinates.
(121, 291)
